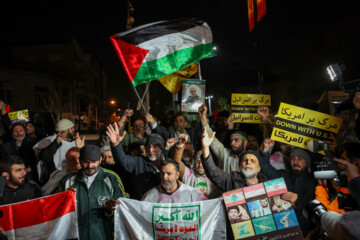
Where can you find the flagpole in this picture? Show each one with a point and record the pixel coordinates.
(147, 88)
(257, 54)
(141, 102)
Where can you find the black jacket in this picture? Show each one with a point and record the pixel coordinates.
(302, 184)
(145, 175)
(29, 190)
(25, 151)
(226, 182)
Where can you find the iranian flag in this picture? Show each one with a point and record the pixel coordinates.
(154, 50)
(51, 217)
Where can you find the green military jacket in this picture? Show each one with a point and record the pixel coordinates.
(93, 222)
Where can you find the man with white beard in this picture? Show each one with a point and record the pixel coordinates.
(249, 173)
(21, 146)
(145, 171)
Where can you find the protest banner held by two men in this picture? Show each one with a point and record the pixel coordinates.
(244, 107)
(298, 126)
(165, 221)
(258, 212)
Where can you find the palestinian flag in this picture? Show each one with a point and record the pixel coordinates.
(50, 217)
(154, 50)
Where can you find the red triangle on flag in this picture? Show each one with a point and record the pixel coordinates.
(130, 56)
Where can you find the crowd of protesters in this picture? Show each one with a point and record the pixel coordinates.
(142, 158)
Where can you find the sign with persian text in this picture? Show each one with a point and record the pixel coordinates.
(297, 126)
(19, 116)
(166, 221)
(244, 107)
(258, 212)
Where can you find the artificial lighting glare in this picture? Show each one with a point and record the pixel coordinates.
(334, 71)
(214, 48)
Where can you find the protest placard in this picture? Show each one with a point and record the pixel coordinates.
(258, 212)
(19, 116)
(297, 126)
(244, 107)
(165, 221)
(193, 95)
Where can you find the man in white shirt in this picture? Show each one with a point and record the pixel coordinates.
(171, 190)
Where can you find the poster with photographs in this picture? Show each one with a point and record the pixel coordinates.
(258, 212)
(193, 95)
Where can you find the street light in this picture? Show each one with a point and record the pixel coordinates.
(209, 101)
(112, 102)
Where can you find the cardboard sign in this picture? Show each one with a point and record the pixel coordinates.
(258, 212)
(244, 107)
(193, 95)
(19, 116)
(297, 126)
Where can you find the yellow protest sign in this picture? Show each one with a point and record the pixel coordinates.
(19, 116)
(244, 107)
(297, 126)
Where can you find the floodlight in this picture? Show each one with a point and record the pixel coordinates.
(334, 71)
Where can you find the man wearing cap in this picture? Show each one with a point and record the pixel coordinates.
(97, 191)
(227, 159)
(299, 181)
(21, 146)
(51, 150)
(249, 173)
(145, 170)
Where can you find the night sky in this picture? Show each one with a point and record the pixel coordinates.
(297, 39)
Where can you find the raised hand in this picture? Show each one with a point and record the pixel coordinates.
(202, 111)
(128, 112)
(230, 123)
(264, 112)
(149, 118)
(268, 144)
(169, 143)
(80, 142)
(183, 138)
(114, 134)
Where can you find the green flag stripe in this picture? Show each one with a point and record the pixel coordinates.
(171, 63)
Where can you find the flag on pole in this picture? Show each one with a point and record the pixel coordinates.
(51, 217)
(154, 50)
(173, 82)
(261, 11)
(251, 13)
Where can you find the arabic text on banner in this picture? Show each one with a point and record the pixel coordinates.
(244, 107)
(19, 116)
(192, 221)
(297, 126)
(258, 212)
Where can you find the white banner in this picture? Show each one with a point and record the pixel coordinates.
(164, 221)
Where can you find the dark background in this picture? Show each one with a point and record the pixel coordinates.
(297, 40)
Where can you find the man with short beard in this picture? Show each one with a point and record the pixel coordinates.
(21, 146)
(299, 181)
(145, 170)
(97, 192)
(228, 159)
(171, 190)
(18, 188)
